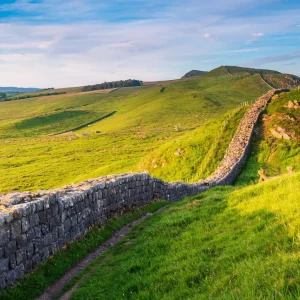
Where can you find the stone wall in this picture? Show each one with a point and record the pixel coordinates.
(33, 226)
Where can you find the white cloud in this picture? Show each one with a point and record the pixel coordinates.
(89, 52)
(259, 34)
(247, 50)
(255, 38)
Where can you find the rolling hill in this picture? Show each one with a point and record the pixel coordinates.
(146, 121)
(241, 242)
(194, 73)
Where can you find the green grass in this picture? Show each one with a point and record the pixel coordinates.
(49, 123)
(202, 150)
(33, 285)
(226, 243)
(144, 121)
(236, 70)
(230, 242)
(270, 153)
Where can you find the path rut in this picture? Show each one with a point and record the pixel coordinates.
(58, 286)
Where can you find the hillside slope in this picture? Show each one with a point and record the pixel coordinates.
(145, 118)
(116, 132)
(270, 151)
(252, 71)
(238, 243)
(194, 73)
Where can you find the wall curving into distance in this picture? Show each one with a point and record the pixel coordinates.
(33, 226)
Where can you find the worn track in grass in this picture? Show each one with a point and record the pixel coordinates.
(58, 286)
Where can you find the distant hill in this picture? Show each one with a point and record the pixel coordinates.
(10, 89)
(272, 78)
(194, 73)
(252, 71)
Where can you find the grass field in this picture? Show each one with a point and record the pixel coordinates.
(145, 119)
(227, 243)
(239, 242)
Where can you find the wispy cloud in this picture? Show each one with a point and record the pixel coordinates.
(258, 34)
(244, 50)
(291, 64)
(276, 58)
(255, 38)
(77, 42)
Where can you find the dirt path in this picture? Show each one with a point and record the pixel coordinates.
(57, 287)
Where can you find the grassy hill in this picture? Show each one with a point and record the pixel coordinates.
(146, 128)
(194, 73)
(252, 71)
(226, 243)
(145, 118)
(239, 242)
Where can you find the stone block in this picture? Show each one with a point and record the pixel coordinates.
(10, 277)
(15, 229)
(3, 265)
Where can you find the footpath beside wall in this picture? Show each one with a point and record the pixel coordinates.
(33, 226)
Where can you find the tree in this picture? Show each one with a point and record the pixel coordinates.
(112, 84)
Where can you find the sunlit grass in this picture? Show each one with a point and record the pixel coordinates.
(144, 120)
(226, 243)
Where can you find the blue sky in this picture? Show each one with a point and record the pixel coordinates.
(60, 43)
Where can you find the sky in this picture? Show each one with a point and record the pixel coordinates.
(63, 43)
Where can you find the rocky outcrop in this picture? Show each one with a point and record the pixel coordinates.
(293, 105)
(280, 133)
(33, 226)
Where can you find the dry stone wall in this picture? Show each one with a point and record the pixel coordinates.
(33, 226)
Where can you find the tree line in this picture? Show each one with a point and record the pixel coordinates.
(2, 96)
(112, 85)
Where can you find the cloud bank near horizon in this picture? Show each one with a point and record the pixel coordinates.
(76, 42)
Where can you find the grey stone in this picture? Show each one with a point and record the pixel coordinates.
(48, 239)
(45, 253)
(10, 248)
(67, 225)
(10, 277)
(30, 250)
(20, 256)
(30, 235)
(38, 232)
(12, 261)
(34, 220)
(22, 241)
(19, 271)
(4, 235)
(3, 265)
(15, 229)
(27, 266)
(2, 282)
(36, 259)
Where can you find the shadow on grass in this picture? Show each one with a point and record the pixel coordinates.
(205, 247)
(33, 285)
